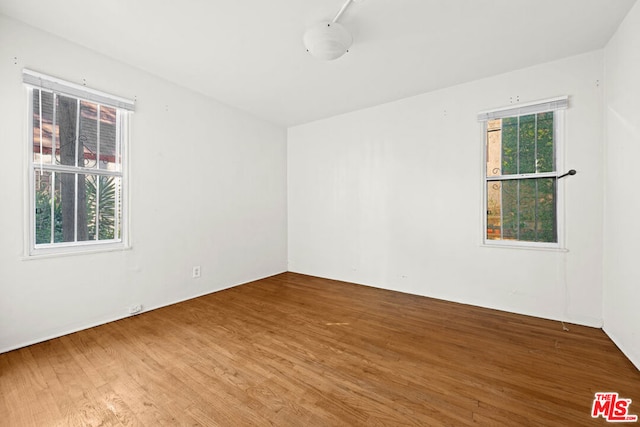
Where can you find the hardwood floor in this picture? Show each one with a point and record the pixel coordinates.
(295, 350)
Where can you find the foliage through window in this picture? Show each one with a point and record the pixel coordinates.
(76, 163)
(521, 192)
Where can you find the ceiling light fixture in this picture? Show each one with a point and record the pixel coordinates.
(328, 40)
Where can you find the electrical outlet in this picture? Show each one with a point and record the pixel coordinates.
(135, 309)
(195, 272)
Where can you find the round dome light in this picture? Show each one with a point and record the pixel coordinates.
(327, 40)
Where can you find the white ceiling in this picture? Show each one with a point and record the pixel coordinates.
(249, 53)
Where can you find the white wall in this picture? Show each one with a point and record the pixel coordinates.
(391, 197)
(208, 188)
(622, 202)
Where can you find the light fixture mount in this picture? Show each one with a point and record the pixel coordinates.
(328, 40)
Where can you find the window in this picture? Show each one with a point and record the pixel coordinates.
(521, 174)
(77, 185)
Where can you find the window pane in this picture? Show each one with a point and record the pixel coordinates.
(108, 147)
(494, 210)
(102, 207)
(82, 213)
(509, 145)
(545, 148)
(537, 210)
(88, 137)
(527, 144)
(527, 207)
(42, 147)
(66, 197)
(494, 148)
(67, 115)
(510, 218)
(546, 217)
(45, 219)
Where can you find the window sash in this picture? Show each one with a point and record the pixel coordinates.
(523, 210)
(47, 228)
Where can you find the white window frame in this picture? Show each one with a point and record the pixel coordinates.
(558, 106)
(38, 81)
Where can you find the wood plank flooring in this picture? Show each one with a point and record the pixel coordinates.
(295, 350)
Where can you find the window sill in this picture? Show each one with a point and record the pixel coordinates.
(75, 250)
(524, 247)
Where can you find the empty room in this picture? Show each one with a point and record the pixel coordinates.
(319, 213)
